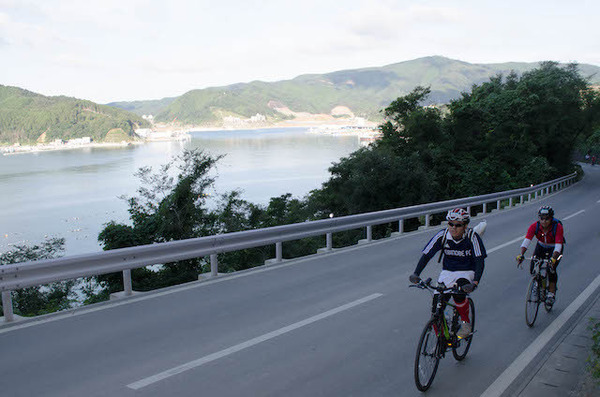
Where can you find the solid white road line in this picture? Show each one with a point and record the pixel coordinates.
(518, 366)
(233, 349)
(572, 215)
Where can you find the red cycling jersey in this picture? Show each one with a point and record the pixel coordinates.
(546, 239)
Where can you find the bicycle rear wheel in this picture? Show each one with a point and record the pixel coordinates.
(460, 347)
(427, 358)
(532, 301)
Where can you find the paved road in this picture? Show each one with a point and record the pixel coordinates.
(339, 324)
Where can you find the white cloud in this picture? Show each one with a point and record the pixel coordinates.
(106, 50)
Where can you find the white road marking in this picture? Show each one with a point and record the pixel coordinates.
(519, 365)
(241, 346)
(572, 215)
(505, 244)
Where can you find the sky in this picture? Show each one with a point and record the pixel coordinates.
(124, 50)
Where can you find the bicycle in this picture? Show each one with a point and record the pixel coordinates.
(439, 334)
(537, 289)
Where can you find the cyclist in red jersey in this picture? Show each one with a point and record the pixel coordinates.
(550, 244)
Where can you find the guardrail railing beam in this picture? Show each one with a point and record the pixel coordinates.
(28, 274)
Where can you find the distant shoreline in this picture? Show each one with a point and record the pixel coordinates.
(11, 150)
(178, 135)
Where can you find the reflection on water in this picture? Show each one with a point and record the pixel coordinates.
(73, 193)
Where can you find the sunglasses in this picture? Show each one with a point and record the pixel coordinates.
(452, 224)
(545, 218)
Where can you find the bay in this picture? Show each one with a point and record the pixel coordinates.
(73, 193)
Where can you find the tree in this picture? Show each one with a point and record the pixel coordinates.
(170, 205)
(33, 301)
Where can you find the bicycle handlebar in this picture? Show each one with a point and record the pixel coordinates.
(441, 288)
(541, 259)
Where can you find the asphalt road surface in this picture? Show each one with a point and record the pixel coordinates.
(337, 324)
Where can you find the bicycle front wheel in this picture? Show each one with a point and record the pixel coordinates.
(460, 347)
(428, 357)
(532, 302)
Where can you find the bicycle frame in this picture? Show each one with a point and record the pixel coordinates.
(537, 289)
(540, 270)
(446, 331)
(442, 334)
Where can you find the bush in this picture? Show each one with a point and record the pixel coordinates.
(594, 359)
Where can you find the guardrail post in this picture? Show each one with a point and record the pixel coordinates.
(469, 210)
(369, 233)
(401, 226)
(522, 199)
(498, 205)
(214, 265)
(7, 306)
(535, 195)
(427, 220)
(510, 202)
(278, 251)
(484, 208)
(329, 239)
(127, 282)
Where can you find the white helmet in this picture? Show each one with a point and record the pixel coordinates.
(458, 214)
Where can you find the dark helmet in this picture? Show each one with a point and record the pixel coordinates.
(546, 210)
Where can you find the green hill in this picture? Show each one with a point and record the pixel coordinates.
(27, 117)
(143, 107)
(365, 91)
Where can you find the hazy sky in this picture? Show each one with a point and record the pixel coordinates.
(111, 50)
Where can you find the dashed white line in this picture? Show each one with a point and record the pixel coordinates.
(575, 214)
(505, 245)
(244, 345)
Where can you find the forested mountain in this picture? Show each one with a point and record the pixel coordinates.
(27, 117)
(141, 108)
(364, 91)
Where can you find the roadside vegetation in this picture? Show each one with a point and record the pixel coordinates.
(594, 359)
(509, 132)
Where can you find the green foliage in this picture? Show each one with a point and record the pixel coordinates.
(25, 116)
(501, 135)
(170, 205)
(594, 359)
(506, 133)
(591, 145)
(143, 107)
(33, 301)
(364, 91)
(372, 180)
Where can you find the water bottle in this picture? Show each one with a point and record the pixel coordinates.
(448, 314)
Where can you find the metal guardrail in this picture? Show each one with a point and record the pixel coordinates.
(28, 274)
